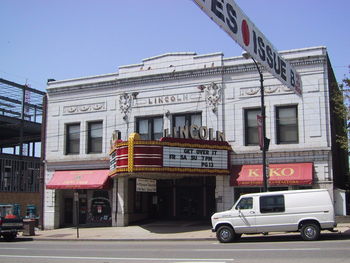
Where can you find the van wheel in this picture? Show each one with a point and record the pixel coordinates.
(225, 234)
(310, 232)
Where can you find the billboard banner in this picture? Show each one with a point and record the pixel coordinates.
(233, 21)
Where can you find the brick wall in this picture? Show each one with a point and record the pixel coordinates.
(23, 199)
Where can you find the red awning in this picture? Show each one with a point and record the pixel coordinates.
(79, 179)
(279, 174)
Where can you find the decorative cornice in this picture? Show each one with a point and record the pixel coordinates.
(84, 108)
(269, 90)
(195, 73)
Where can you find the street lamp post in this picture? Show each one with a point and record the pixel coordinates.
(265, 141)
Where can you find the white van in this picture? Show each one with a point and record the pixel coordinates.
(307, 211)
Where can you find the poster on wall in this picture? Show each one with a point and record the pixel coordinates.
(146, 185)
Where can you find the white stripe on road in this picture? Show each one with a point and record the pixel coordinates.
(262, 249)
(13, 248)
(199, 260)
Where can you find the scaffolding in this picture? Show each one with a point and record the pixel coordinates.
(21, 110)
(20, 117)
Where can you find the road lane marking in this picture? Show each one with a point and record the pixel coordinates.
(182, 260)
(261, 249)
(13, 248)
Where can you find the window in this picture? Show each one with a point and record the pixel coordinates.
(72, 138)
(272, 204)
(251, 126)
(245, 203)
(95, 137)
(150, 128)
(188, 119)
(287, 124)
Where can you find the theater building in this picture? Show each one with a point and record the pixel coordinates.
(176, 137)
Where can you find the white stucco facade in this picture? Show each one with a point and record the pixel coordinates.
(183, 83)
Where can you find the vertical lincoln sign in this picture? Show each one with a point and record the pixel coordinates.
(233, 21)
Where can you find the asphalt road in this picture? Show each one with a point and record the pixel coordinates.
(251, 249)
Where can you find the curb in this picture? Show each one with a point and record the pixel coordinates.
(276, 234)
(125, 240)
(342, 228)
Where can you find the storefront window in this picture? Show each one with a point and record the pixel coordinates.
(100, 210)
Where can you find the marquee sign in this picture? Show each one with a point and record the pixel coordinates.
(173, 155)
(230, 18)
(184, 157)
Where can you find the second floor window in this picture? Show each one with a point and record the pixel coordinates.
(150, 128)
(72, 138)
(188, 119)
(95, 137)
(251, 126)
(287, 124)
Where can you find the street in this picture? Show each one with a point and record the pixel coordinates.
(287, 248)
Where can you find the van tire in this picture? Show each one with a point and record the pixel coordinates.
(225, 234)
(310, 231)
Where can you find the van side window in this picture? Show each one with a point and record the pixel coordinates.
(272, 204)
(245, 203)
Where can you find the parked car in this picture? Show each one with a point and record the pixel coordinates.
(10, 221)
(306, 211)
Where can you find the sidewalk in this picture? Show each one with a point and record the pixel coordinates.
(168, 230)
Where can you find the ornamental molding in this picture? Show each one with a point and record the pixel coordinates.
(125, 102)
(84, 108)
(213, 95)
(268, 90)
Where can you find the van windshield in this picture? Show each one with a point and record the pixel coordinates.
(245, 203)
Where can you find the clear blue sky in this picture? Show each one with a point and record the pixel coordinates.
(63, 39)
